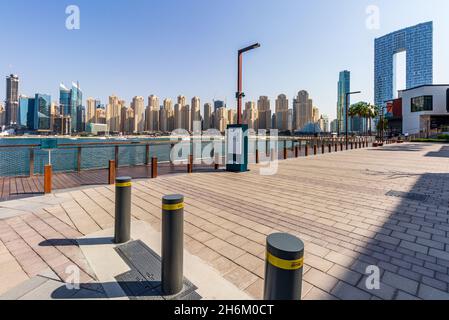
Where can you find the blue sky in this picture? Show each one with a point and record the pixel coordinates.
(171, 47)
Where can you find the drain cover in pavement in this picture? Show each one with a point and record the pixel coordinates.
(143, 281)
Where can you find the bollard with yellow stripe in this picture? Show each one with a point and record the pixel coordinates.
(172, 244)
(122, 210)
(283, 267)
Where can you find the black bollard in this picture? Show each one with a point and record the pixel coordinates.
(283, 267)
(122, 210)
(172, 244)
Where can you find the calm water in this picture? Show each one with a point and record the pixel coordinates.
(16, 161)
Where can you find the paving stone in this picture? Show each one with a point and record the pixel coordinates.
(429, 293)
(318, 294)
(320, 279)
(405, 296)
(23, 288)
(439, 254)
(344, 274)
(414, 247)
(348, 292)
(400, 282)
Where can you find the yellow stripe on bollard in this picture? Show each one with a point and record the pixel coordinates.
(285, 264)
(124, 184)
(173, 207)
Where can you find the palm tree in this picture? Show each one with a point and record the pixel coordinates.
(372, 112)
(358, 109)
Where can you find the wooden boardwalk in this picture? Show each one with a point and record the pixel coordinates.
(12, 188)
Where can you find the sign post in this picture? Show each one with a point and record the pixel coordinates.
(49, 145)
(237, 148)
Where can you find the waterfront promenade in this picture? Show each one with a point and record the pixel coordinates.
(383, 206)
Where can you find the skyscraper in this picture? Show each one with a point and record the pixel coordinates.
(250, 115)
(182, 100)
(76, 98)
(221, 117)
(91, 111)
(282, 112)
(42, 112)
(303, 109)
(207, 121)
(232, 116)
(26, 109)
(113, 114)
(178, 124)
(219, 104)
(315, 114)
(35, 113)
(264, 112)
(2, 116)
(70, 102)
(165, 114)
(196, 110)
(187, 118)
(417, 42)
(138, 106)
(12, 99)
(344, 87)
(152, 113)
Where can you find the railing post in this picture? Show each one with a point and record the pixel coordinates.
(307, 150)
(122, 232)
(341, 146)
(315, 149)
(296, 151)
(285, 151)
(257, 156)
(322, 148)
(330, 148)
(283, 267)
(172, 244)
(111, 175)
(153, 168)
(190, 164)
(336, 147)
(116, 152)
(147, 154)
(78, 161)
(217, 161)
(31, 162)
(48, 179)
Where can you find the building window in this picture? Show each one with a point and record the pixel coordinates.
(423, 103)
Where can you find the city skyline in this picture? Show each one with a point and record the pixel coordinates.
(70, 115)
(210, 72)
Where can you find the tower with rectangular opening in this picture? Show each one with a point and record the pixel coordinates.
(417, 42)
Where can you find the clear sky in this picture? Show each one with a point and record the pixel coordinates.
(171, 47)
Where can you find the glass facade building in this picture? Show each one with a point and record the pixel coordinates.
(344, 87)
(26, 109)
(417, 42)
(70, 101)
(35, 113)
(42, 112)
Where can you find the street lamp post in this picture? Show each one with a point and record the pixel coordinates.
(346, 113)
(240, 94)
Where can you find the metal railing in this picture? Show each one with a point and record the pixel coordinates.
(18, 160)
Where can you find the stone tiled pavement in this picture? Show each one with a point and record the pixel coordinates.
(336, 203)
